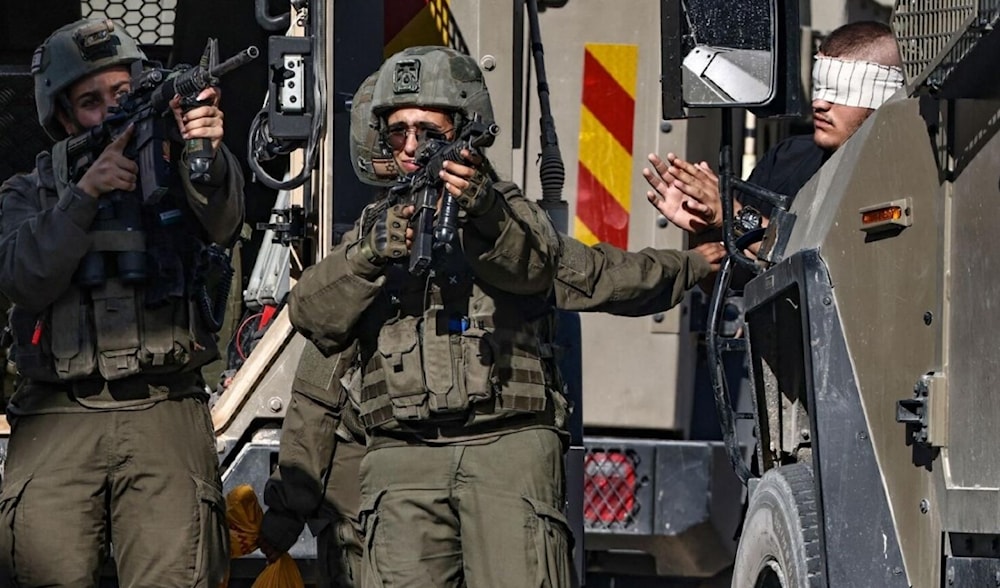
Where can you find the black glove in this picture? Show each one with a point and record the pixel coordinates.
(279, 531)
(478, 196)
(384, 241)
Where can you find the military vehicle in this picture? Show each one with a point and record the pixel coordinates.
(850, 325)
(869, 339)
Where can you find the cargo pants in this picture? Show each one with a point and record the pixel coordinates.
(144, 481)
(482, 515)
(339, 544)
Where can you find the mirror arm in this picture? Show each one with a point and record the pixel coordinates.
(672, 100)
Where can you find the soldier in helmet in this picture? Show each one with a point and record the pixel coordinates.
(111, 442)
(457, 391)
(323, 437)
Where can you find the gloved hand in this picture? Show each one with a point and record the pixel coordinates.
(278, 532)
(478, 195)
(470, 185)
(385, 240)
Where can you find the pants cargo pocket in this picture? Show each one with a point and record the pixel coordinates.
(339, 551)
(549, 536)
(212, 555)
(11, 495)
(371, 578)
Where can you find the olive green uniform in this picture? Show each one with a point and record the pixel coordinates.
(473, 384)
(318, 478)
(600, 278)
(604, 278)
(129, 459)
(440, 502)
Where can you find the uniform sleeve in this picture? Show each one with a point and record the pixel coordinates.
(604, 278)
(41, 249)
(513, 246)
(218, 202)
(327, 302)
(296, 490)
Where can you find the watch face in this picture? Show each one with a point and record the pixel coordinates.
(748, 219)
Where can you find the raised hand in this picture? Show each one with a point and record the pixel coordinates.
(701, 185)
(112, 170)
(686, 194)
(201, 122)
(468, 184)
(391, 237)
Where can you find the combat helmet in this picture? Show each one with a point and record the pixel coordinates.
(433, 77)
(372, 160)
(69, 54)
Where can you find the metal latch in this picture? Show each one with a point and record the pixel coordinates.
(926, 414)
(288, 224)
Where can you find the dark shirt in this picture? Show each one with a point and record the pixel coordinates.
(785, 168)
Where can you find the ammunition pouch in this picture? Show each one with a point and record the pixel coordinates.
(437, 368)
(393, 383)
(111, 334)
(116, 326)
(32, 346)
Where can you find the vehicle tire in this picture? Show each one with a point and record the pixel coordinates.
(780, 543)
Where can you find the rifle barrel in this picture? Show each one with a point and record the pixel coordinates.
(240, 59)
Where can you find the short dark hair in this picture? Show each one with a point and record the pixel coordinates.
(867, 39)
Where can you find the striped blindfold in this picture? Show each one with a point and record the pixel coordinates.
(854, 83)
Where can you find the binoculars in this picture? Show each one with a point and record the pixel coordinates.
(119, 243)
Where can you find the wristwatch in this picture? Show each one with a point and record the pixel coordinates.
(747, 219)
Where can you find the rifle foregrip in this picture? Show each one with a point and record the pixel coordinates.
(447, 225)
(198, 152)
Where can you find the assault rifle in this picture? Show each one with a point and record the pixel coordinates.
(424, 187)
(147, 108)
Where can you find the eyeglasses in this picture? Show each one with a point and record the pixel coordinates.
(397, 134)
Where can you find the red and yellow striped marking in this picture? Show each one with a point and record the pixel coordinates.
(409, 23)
(604, 177)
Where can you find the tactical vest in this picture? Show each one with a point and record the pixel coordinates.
(448, 349)
(117, 329)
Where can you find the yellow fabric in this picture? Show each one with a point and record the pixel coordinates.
(283, 573)
(245, 515)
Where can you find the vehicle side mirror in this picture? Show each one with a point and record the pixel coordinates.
(720, 53)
